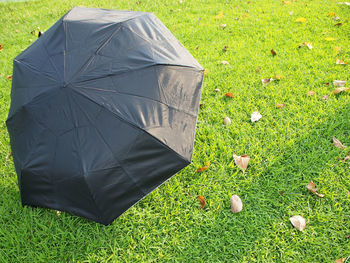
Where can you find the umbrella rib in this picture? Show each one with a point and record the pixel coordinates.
(132, 124)
(81, 164)
(139, 96)
(98, 131)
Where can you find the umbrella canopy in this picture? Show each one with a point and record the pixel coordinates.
(103, 110)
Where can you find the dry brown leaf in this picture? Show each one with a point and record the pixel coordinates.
(326, 97)
(340, 62)
(266, 81)
(298, 222)
(280, 106)
(339, 83)
(227, 121)
(9, 77)
(300, 20)
(338, 144)
(311, 93)
(1, 47)
(202, 169)
(236, 204)
(312, 188)
(219, 15)
(230, 95)
(242, 161)
(346, 158)
(340, 260)
(338, 24)
(223, 26)
(340, 89)
(202, 201)
(273, 52)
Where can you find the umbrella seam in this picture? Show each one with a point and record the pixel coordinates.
(139, 96)
(132, 124)
(98, 131)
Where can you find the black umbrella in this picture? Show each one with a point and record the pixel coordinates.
(103, 111)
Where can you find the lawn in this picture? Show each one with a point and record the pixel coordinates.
(288, 146)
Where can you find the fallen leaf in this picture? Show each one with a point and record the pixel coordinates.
(280, 106)
(224, 62)
(337, 49)
(227, 121)
(311, 93)
(277, 77)
(202, 169)
(223, 26)
(230, 95)
(338, 24)
(326, 97)
(273, 52)
(245, 15)
(306, 44)
(346, 158)
(217, 90)
(331, 14)
(220, 15)
(224, 49)
(202, 201)
(236, 204)
(286, 2)
(206, 72)
(337, 143)
(340, 62)
(266, 81)
(1, 47)
(312, 187)
(339, 83)
(300, 20)
(344, 3)
(9, 77)
(255, 116)
(340, 89)
(340, 260)
(329, 39)
(298, 222)
(175, 28)
(242, 161)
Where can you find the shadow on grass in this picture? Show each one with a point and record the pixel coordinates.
(271, 198)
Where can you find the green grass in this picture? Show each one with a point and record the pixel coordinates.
(288, 146)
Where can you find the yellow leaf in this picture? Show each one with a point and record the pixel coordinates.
(329, 39)
(206, 72)
(280, 105)
(220, 15)
(286, 2)
(300, 20)
(311, 93)
(331, 14)
(337, 49)
(340, 89)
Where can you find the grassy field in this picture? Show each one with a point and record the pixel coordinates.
(288, 146)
